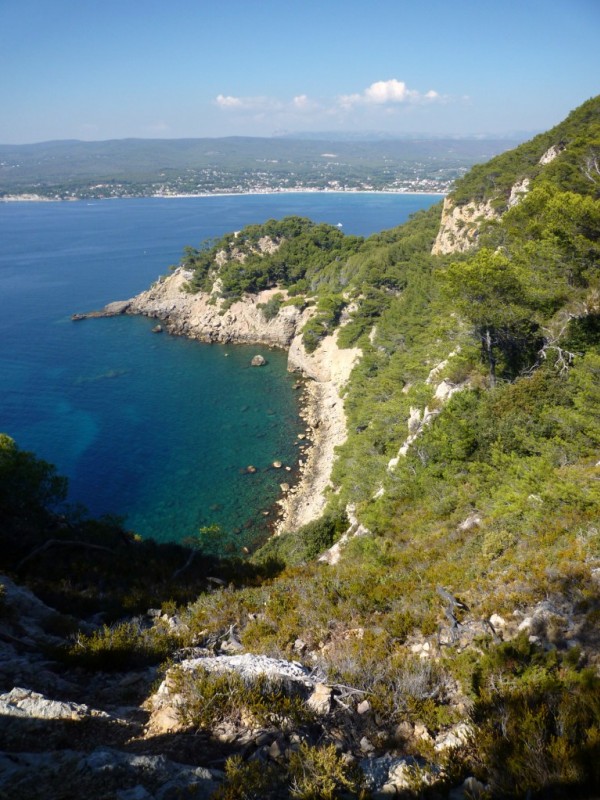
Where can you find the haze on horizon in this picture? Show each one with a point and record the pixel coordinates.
(194, 68)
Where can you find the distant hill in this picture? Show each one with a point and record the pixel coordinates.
(137, 167)
(381, 136)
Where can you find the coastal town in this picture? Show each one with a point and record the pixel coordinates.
(135, 168)
(213, 182)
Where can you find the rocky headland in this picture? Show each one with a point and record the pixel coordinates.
(201, 316)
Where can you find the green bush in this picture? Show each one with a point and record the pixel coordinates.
(249, 780)
(270, 309)
(319, 773)
(536, 722)
(28, 485)
(306, 543)
(210, 698)
(329, 309)
(126, 645)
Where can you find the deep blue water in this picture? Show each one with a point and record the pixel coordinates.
(157, 429)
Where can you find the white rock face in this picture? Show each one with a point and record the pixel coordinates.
(198, 317)
(26, 704)
(518, 192)
(166, 703)
(418, 420)
(329, 367)
(320, 699)
(390, 775)
(459, 226)
(470, 522)
(551, 153)
(251, 666)
(435, 372)
(457, 736)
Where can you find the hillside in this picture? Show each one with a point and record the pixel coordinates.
(147, 167)
(435, 632)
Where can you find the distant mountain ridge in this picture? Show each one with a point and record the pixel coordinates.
(375, 136)
(138, 167)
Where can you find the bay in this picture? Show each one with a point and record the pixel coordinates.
(155, 429)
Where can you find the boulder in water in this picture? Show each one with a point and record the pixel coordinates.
(258, 361)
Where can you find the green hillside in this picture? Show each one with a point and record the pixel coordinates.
(470, 592)
(577, 139)
(142, 167)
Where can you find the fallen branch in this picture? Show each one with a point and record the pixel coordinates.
(191, 557)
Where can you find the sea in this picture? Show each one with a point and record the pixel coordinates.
(156, 430)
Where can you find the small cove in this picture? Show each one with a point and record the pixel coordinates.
(153, 428)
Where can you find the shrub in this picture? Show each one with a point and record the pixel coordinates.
(537, 722)
(122, 646)
(329, 309)
(27, 483)
(270, 309)
(307, 542)
(248, 780)
(319, 773)
(210, 698)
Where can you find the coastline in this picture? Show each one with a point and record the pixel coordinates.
(326, 370)
(30, 198)
(323, 412)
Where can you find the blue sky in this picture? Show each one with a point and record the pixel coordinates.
(103, 69)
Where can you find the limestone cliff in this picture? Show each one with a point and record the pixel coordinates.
(459, 226)
(461, 223)
(199, 316)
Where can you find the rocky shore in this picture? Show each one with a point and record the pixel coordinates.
(199, 316)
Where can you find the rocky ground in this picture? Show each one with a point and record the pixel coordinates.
(66, 732)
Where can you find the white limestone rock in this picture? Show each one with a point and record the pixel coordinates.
(459, 226)
(27, 704)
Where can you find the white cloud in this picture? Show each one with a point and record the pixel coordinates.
(252, 104)
(301, 102)
(227, 101)
(382, 97)
(392, 91)
(388, 92)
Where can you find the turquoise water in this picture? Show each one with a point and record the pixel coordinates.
(156, 429)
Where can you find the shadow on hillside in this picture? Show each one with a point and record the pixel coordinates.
(38, 735)
(194, 748)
